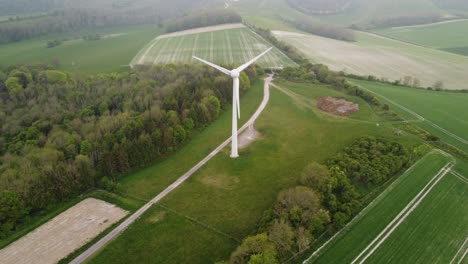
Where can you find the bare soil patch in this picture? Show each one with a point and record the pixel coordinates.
(63, 234)
(201, 30)
(247, 137)
(337, 106)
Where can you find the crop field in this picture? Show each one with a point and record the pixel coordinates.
(230, 46)
(112, 53)
(440, 113)
(63, 234)
(451, 36)
(222, 202)
(383, 57)
(420, 218)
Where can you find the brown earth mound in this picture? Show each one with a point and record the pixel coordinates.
(337, 106)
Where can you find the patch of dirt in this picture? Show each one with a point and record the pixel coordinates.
(63, 234)
(157, 217)
(337, 106)
(247, 137)
(220, 181)
(201, 30)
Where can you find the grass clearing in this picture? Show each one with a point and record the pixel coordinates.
(443, 112)
(217, 214)
(382, 57)
(233, 46)
(110, 54)
(346, 246)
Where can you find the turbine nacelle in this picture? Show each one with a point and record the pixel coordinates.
(235, 73)
(235, 94)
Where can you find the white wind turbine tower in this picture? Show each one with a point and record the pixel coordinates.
(235, 96)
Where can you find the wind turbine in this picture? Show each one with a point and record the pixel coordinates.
(235, 96)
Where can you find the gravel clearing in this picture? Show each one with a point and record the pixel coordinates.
(63, 234)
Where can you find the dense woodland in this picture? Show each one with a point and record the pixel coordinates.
(61, 135)
(326, 199)
(78, 15)
(203, 19)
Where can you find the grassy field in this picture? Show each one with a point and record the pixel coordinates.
(346, 246)
(227, 47)
(443, 112)
(112, 53)
(268, 13)
(451, 37)
(383, 57)
(435, 231)
(223, 201)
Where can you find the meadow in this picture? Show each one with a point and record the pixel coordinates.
(440, 113)
(110, 54)
(382, 57)
(451, 36)
(222, 203)
(233, 46)
(432, 233)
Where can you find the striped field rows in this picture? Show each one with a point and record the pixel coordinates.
(227, 47)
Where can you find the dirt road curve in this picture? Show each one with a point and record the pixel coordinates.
(98, 245)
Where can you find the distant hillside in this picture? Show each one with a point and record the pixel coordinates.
(321, 7)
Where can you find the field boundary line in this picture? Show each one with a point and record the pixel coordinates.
(459, 176)
(267, 42)
(372, 204)
(136, 215)
(163, 49)
(422, 119)
(458, 252)
(175, 53)
(195, 44)
(231, 59)
(138, 59)
(198, 222)
(409, 208)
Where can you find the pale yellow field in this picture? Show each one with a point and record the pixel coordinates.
(63, 234)
(383, 57)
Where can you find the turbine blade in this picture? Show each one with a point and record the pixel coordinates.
(243, 67)
(219, 68)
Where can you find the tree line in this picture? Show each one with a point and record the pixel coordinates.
(76, 15)
(324, 201)
(61, 135)
(405, 20)
(328, 31)
(203, 19)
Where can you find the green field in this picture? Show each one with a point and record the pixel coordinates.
(112, 53)
(443, 112)
(432, 233)
(269, 13)
(435, 231)
(451, 36)
(228, 47)
(224, 200)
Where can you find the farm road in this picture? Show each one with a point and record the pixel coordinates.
(120, 228)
